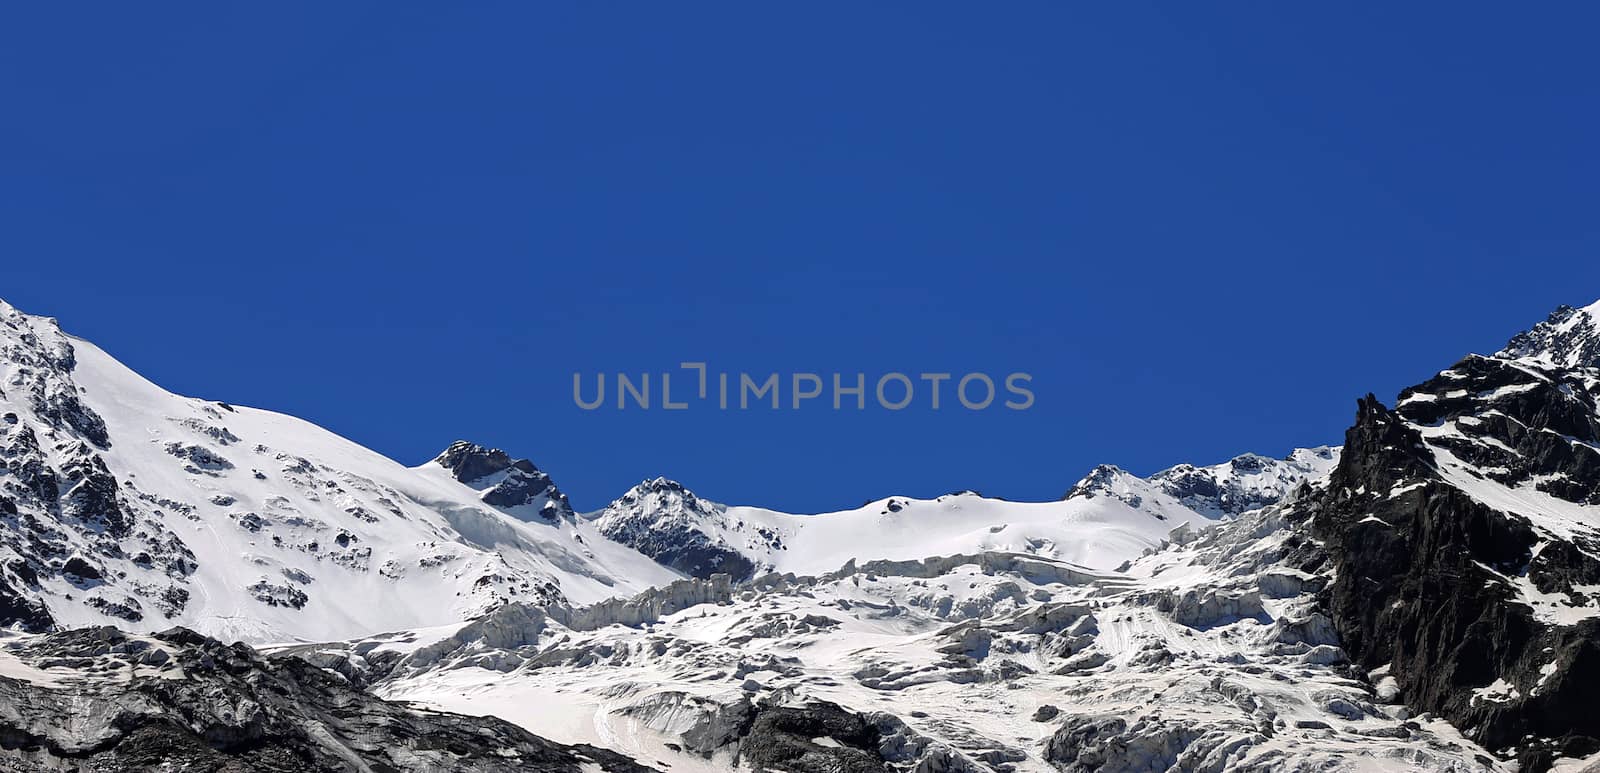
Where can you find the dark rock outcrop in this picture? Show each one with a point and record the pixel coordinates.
(786, 738)
(505, 482)
(19, 610)
(181, 701)
(1478, 610)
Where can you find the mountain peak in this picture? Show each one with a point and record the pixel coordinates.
(515, 485)
(1245, 482)
(664, 495)
(660, 483)
(1568, 338)
(667, 522)
(37, 363)
(469, 462)
(1104, 478)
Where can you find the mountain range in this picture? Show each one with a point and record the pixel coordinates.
(227, 588)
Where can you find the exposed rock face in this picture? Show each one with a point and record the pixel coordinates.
(1465, 540)
(39, 361)
(22, 612)
(667, 522)
(511, 484)
(97, 699)
(65, 520)
(817, 737)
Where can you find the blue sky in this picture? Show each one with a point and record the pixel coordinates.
(1202, 229)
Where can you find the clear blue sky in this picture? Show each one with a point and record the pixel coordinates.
(1203, 228)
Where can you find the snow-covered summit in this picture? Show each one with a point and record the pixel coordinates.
(127, 505)
(1569, 338)
(1246, 482)
(1182, 492)
(666, 521)
(1107, 518)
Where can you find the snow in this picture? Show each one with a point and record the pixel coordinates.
(1498, 691)
(1098, 533)
(1107, 519)
(963, 656)
(298, 534)
(12, 667)
(430, 539)
(1157, 600)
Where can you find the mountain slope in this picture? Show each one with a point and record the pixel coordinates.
(124, 504)
(1094, 532)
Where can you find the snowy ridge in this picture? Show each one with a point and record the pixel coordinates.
(1096, 533)
(1107, 518)
(135, 507)
(124, 504)
(1569, 338)
(1244, 483)
(1185, 492)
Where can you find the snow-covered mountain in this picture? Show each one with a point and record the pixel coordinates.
(131, 506)
(1187, 494)
(1108, 517)
(1426, 597)
(124, 504)
(663, 519)
(1244, 483)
